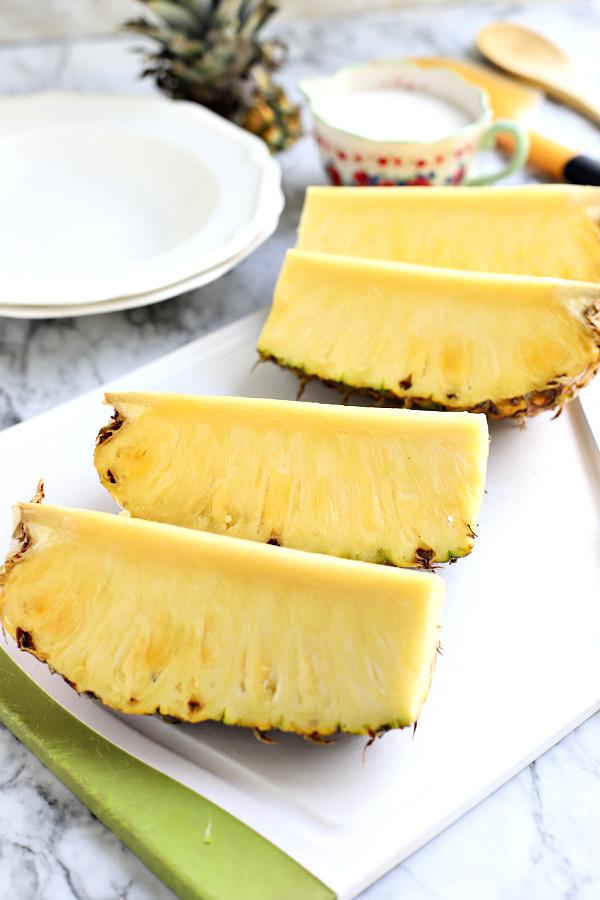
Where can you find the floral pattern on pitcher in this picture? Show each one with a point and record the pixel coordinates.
(361, 178)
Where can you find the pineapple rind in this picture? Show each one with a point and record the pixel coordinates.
(150, 618)
(383, 486)
(553, 396)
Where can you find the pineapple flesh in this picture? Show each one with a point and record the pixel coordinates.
(433, 338)
(152, 618)
(544, 230)
(380, 485)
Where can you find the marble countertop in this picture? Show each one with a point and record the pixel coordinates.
(535, 838)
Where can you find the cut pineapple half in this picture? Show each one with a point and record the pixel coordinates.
(381, 485)
(547, 230)
(430, 338)
(152, 618)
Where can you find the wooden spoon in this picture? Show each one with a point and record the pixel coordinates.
(530, 56)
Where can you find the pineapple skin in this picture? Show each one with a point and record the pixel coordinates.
(317, 291)
(152, 618)
(384, 486)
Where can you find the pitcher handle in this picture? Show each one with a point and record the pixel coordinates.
(518, 157)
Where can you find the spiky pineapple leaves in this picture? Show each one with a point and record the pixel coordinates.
(210, 54)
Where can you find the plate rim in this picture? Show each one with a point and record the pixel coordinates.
(120, 304)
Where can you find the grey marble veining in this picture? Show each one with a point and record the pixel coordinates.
(537, 837)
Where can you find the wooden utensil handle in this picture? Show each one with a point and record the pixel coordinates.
(556, 160)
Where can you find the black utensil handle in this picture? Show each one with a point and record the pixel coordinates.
(582, 170)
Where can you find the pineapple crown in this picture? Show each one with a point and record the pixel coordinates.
(210, 54)
(209, 41)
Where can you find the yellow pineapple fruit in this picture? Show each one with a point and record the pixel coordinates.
(546, 230)
(433, 338)
(152, 618)
(381, 485)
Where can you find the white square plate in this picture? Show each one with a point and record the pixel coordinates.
(521, 637)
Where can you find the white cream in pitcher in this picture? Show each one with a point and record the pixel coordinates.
(393, 114)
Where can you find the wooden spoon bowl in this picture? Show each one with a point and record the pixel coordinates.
(530, 56)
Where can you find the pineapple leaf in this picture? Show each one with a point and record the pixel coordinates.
(253, 22)
(251, 7)
(174, 43)
(174, 14)
(185, 73)
(218, 63)
(200, 9)
(156, 32)
(273, 54)
(184, 48)
(227, 12)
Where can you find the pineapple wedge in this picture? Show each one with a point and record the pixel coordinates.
(430, 338)
(547, 230)
(381, 485)
(152, 618)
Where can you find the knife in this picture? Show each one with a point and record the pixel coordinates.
(198, 849)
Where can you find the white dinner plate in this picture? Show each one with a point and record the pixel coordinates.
(104, 197)
(121, 303)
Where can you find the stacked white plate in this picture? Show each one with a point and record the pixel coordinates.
(111, 202)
